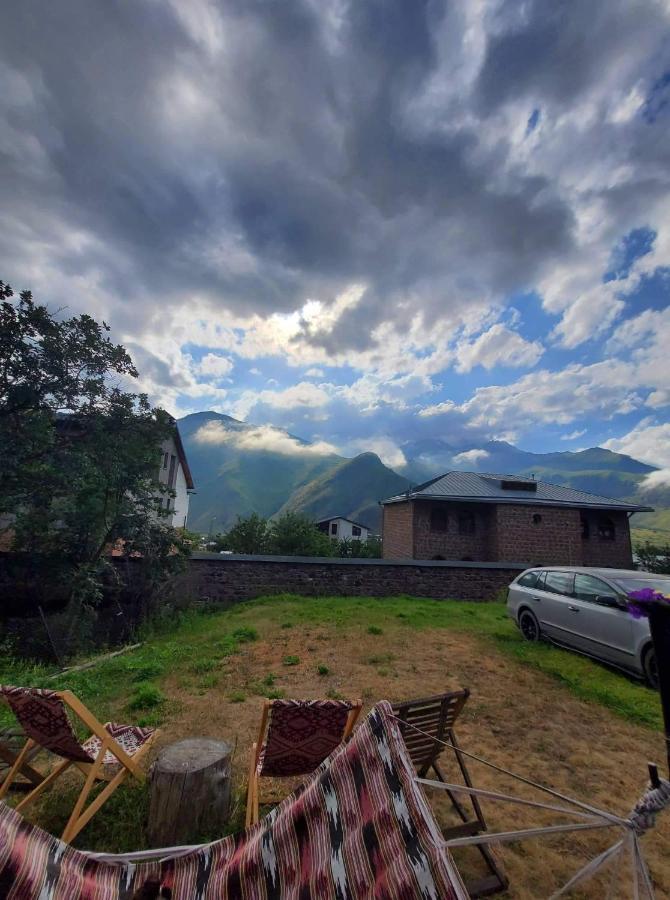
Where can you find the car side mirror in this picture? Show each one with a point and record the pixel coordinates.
(610, 601)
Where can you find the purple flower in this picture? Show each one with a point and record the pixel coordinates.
(639, 601)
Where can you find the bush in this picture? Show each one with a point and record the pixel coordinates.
(245, 634)
(375, 629)
(322, 670)
(293, 534)
(291, 660)
(146, 696)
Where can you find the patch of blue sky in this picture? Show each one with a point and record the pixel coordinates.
(633, 246)
(658, 98)
(533, 121)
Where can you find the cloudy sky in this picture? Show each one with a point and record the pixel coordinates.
(365, 221)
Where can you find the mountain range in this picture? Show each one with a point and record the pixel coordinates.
(240, 468)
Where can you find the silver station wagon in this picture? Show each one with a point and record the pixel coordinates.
(585, 609)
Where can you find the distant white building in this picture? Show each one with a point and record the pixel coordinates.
(338, 528)
(175, 473)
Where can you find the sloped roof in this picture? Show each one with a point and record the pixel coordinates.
(344, 519)
(482, 487)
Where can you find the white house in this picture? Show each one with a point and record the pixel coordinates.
(175, 473)
(338, 528)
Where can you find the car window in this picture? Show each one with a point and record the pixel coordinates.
(540, 581)
(528, 579)
(587, 587)
(656, 583)
(559, 582)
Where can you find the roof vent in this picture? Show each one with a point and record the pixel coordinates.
(509, 484)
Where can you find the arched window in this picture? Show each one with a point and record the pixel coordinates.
(586, 528)
(537, 519)
(606, 530)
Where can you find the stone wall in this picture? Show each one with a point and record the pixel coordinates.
(228, 579)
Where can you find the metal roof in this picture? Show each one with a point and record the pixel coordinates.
(483, 487)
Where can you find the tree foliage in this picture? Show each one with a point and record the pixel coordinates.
(654, 558)
(79, 455)
(293, 534)
(248, 535)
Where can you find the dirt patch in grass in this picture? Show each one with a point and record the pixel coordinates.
(517, 716)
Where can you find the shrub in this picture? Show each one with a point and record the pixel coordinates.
(322, 670)
(146, 696)
(245, 634)
(375, 629)
(237, 697)
(291, 660)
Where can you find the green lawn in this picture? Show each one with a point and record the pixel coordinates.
(133, 680)
(189, 658)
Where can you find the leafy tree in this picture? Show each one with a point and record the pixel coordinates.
(654, 558)
(79, 456)
(354, 549)
(293, 534)
(248, 535)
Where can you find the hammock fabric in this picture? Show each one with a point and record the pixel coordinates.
(360, 827)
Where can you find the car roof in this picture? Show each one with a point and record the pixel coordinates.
(602, 572)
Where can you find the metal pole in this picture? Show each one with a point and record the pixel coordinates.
(659, 624)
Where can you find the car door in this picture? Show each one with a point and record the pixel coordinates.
(601, 630)
(551, 603)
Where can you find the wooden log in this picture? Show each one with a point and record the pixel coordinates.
(190, 792)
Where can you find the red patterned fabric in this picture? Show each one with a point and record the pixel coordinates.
(301, 734)
(43, 717)
(130, 737)
(359, 828)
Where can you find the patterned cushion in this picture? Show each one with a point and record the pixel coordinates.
(43, 717)
(301, 734)
(130, 737)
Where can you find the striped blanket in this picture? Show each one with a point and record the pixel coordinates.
(360, 827)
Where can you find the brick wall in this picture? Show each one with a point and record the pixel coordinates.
(398, 531)
(598, 551)
(228, 579)
(451, 544)
(555, 539)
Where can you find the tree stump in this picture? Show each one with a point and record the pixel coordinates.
(190, 792)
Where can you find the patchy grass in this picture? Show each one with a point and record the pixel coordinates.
(555, 716)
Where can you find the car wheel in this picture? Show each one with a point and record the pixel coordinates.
(530, 627)
(650, 667)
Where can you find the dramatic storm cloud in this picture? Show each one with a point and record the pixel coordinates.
(360, 221)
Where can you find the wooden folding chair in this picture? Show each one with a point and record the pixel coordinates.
(110, 754)
(11, 742)
(433, 719)
(294, 738)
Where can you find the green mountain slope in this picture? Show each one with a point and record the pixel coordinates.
(240, 468)
(352, 489)
(235, 477)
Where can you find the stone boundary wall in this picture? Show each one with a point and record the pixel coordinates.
(231, 578)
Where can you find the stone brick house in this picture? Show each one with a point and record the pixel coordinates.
(507, 518)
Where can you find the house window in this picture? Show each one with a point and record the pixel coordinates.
(606, 529)
(439, 521)
(333, 527)
(166, 456)
(537, 519)
(167, 503)
(586, 528)
(466, 523)
(355, 531)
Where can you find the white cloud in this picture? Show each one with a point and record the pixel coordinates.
(499, 346)
(648, 442)
(658, 479)
(213, 364)
(385, 447)
(471, 457)
(573, 435)
(262, 437)
(314, 373)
